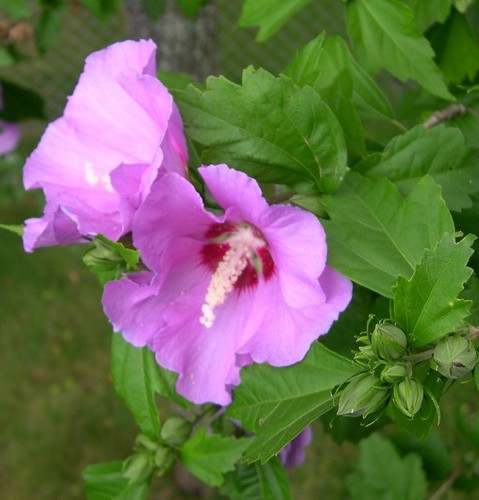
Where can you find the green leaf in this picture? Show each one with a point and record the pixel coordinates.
(102, 8)
(154, 8)
(381, 473)
(439, 152)
(105, 482)
(257, 482)
(48, 28)
(17, 229)
(15, 8)
(134, 375)
(191, 8)
(385, 35)
(109, 259)
(427, 305)
(6, 58)
(278, 403)
(428, 13)
(267, 127)
(321, 62)
(374, 235)
(20, 103)
(208, 457)
(269, 15)
(457, 51)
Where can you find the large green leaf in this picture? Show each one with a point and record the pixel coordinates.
(385, 35)
(456, 47)
(134, 372)
(427, 305)
(374, 235)
(278, 403)
(439, 152)
(286, 421)
(383, 474)
(267, 127)
(137, 377)
(105, 481)
(257, 482)
(269, 15)
(210, 456)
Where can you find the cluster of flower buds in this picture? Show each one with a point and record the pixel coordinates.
(389, 371)
(156, 456)
(386, 376)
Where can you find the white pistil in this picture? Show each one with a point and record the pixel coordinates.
(243, 245)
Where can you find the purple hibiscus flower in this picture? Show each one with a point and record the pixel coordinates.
(96, 164)
(225, 290)
(294, 453)
(9, 136)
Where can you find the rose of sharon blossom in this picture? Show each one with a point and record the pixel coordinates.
(9, 136)
(119, 131)
(294, 453)
(225, 290)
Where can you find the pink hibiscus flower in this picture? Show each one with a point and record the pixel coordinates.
(250, 284)
(120, 130)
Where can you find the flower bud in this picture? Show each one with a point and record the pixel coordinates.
(454, 357)
(137, 467)
(388, 341)
(393, 373)
(363, 395)
(408, 396)
(175, 430)
(164, 459)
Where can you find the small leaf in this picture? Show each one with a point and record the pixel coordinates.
(110, 259)
(374, 235)
(381, 473)
(385, 35)
(457, 51)
(257, 482)
(268, 15)
(439, 152)
(102, 8)
(267, 127)
(428, 13)
(426, 306)
(208, 457)
(17, 229)
(105, 482)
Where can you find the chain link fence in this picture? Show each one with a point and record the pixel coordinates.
(55, 74)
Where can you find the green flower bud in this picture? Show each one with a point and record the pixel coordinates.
(388, 341)
(393, 373)
(164, 458)
(175, 430)
(363, 395)
(145, 442)
(454, 357)
(137, 467)
(408, 396)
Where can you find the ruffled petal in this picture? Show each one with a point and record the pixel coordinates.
(176, 210)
